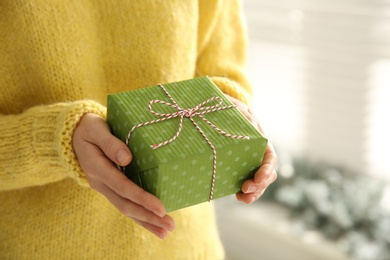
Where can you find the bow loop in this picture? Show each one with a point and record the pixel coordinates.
(150, 107)
(197, 110)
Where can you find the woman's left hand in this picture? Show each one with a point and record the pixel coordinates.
(252, 189)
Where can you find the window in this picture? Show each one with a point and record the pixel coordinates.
(321, 71)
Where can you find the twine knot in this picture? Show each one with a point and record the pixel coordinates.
(187, 113)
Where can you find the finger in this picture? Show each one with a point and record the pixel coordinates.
(249, 196)
(137, 212)
(97, 166)
(250, 111)
(112, 147)
(99, 170)
(121, 185)
(252, 119)
(239, 196)
(250, 186)
(131, 191)
(268, 165)
(158, 231)
(270, 155)
(273, 177)
(244, 109)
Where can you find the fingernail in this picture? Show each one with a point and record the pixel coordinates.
(158, 213)
(168, 227)
(251, 189)
(163, 236)
(123, 156)
(262, 181)
(252, 200)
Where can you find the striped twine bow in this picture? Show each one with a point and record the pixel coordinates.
(197, 110)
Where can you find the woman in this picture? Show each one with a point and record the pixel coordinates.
(59, 60)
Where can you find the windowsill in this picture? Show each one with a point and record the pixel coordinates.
(264, 231)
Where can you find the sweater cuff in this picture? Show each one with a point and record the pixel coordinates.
(72, 118)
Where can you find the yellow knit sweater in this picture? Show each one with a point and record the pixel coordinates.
(58, 60)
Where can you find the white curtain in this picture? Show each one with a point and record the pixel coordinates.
(321, 70)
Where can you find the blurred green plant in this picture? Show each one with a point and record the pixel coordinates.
(349, 208)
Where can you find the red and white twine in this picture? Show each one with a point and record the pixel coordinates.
(197, 110)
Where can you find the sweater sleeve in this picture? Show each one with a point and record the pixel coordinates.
(222, 47)
(36, 145)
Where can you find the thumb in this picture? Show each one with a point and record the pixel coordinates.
(112, 147)
(115, 149)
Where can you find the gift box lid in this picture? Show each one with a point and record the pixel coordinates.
(127, 109)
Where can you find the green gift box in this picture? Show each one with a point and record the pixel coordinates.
(189, 143)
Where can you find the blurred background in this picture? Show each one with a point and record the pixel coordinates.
(321, 72)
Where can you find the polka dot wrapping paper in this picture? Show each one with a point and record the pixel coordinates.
(206, 147)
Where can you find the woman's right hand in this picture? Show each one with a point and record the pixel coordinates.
(98, 151)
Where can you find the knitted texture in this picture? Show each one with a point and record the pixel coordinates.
(58, 61)
(42, 140)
